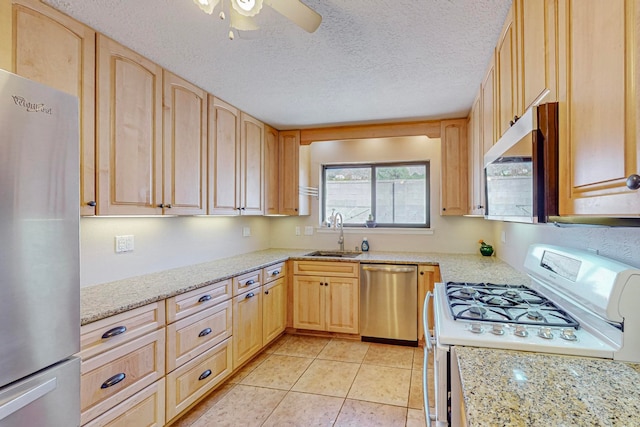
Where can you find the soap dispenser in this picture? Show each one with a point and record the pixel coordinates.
(365, 245)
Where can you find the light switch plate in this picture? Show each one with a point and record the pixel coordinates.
(246, 231)
(308, 230)
(297, 230)
(124, 243)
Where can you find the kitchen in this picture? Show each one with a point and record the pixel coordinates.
(163, 243)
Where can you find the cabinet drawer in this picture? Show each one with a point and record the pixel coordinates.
(324, 268)
(145, 408)
(186, 304)
(189, 337)
(194, 379)
(113, 376)
(246, 282)
(105, 334)
(273, 272)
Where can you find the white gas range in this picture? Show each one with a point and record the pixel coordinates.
(578, 303)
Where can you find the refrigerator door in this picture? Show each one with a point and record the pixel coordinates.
(39, 227)
(49, 398)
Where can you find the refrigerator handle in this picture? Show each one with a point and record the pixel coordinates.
(30, 396)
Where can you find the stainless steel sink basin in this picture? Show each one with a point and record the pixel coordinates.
(334, 254)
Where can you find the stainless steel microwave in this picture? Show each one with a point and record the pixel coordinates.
(521, 169)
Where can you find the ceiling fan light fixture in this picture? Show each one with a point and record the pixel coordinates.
(207, 6)
(247, 7)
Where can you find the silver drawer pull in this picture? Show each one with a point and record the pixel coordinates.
(275, 272)
(250, 295)
(113, 332)
(113, 380)
(249, 282)
(204, 298)
(204, 332)
(204, 375)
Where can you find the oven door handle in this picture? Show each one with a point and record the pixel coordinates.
(425, 362)
(425, 322)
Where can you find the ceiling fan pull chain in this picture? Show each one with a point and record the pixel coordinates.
(221, 16)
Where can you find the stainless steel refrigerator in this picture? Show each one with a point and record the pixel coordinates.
(39, 255)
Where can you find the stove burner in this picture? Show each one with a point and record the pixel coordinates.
(512, 293)
(477, 311)
(498, 301)
(534, 315)
(468, 291)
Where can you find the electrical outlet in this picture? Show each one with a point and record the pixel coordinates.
(308, 230)
(129, 243)
(297, 230)
(246, 231)
(121, 244)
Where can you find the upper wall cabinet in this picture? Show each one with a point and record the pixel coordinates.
(185, 147)
(454, 168)
(598, 81)
(289, 172)
(476, 157)
(506, 69)
(488, 112)
(536, 51)
(60, 54)
(271, 171)
(129, 136)
(251, 165)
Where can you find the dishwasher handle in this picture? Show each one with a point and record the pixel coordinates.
(388, 269)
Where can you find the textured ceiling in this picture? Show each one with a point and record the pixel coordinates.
(369, 61)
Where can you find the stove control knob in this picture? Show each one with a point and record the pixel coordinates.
(476, 328)
(545, 333)
(568, 334)
(521, 331)
(497, 330)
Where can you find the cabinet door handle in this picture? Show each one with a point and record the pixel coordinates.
(249, 282)
(326, 283)
(633, 182)
(113, 380)
(91, 203)
(204, 332)
(275, 272)
(204, 375)
(114, 331)
(204, 298)
(321, 284)
(266, 292)
(250, 295)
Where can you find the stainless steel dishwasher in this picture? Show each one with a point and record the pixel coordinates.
(389, 303)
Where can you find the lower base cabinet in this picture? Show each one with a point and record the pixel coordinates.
(144, 409)
(247, 326)
(194, 379)
(274, 318)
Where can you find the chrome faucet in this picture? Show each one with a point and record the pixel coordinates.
(341, 238)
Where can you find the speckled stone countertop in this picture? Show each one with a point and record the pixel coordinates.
(108, 299)
(516, 388)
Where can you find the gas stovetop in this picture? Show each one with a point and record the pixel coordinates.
(501, 303)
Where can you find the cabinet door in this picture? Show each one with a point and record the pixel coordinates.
(55, 50)
(274, 298)
(129, 137)
(598, 121)
(309, 303)
(342, 305)
(476, 157)
(506, 74)
(185, 147)
(252, 166)
(224, 162)
(536, 51)
(289, 172)
(247, 326)
(271, 171)
(454, 168)
(428, 276)
(488, 110)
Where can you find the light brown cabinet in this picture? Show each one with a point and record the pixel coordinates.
(454, 168)
(507, 73)
(274, 300)
(185, 147)
(289, 172)
(129, 134)
(598, 82)
(60, 54)
(326, 296)
(251, 166)
(428, 276)
(488, 109)
(271, 171)
(247, 326)
(476, 157)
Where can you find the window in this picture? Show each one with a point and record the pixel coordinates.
(395, 194)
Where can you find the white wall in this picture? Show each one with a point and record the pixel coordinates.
(619, 243)
(449, 234)
(163, 243)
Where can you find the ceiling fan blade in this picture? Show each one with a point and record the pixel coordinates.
(298, 12)
(242, 23)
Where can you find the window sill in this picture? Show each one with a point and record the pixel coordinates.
(373, 231)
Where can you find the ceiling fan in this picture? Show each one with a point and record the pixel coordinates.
(242, 12)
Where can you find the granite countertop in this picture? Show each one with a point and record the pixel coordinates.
(517, 388)
(107, 299)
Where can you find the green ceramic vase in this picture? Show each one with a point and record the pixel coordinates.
(486, 250)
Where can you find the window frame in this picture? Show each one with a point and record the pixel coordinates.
(373, 167)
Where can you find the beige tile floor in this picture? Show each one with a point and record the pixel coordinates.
(313, 381)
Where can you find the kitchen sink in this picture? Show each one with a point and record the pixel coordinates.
(334, 254)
